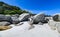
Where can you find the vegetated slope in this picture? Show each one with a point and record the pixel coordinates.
(9, 9)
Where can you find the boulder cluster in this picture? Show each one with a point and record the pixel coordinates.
(55, 22)
(40, 19)
(15, 19)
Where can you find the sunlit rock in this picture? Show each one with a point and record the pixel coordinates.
(24, 17)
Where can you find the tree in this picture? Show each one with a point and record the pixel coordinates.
(9, 9)
(7, 12)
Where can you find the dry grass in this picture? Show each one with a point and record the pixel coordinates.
(4, 28)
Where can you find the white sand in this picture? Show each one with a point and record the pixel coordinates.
(37, 31)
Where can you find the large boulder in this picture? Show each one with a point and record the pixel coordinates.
(5, 18)
(24, 17)
(39, 18)
(4, 23)
(56, 17)
(8, 19)
(15, 19)
(2, 17)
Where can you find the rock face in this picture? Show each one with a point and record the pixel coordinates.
(9, 19)
(24, 17)
(15, 19)
(2, 17)
(4, 23)
(39, 18)
(5, 18)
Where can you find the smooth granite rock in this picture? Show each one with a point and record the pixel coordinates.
(15, 19)
(39, 18)
(24, 17)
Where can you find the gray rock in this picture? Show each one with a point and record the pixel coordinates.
(4, 23)
(15, 19)
(24, 17)
(2, 17)
(8, 19)
(39, 18)
(56, 17)
(5, 18)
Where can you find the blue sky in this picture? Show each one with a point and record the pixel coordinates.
(37, 6)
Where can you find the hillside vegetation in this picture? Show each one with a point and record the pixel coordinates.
(9, 9)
